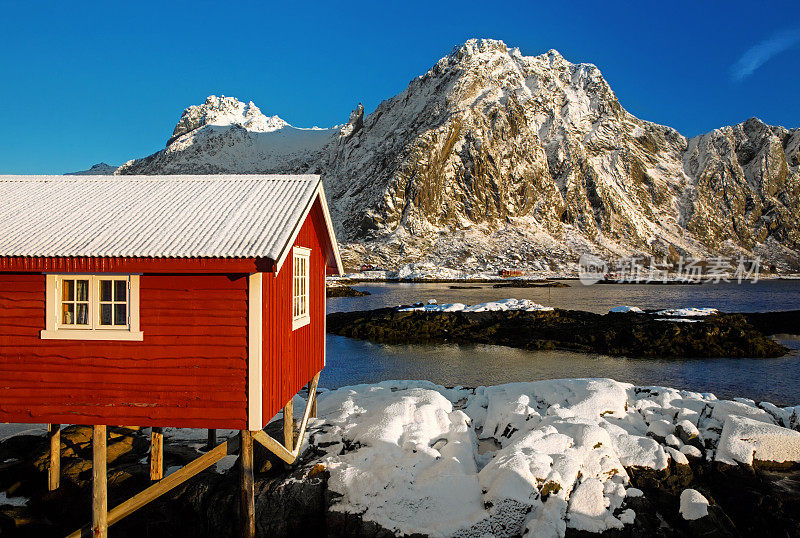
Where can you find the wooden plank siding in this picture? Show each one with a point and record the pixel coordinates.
(292, 358)
(189, 371)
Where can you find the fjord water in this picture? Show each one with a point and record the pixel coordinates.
(777, 380)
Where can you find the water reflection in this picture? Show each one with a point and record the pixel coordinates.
(600, 298)
(776, 380)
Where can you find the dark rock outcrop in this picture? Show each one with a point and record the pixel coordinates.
(344, 291)
(629, 334)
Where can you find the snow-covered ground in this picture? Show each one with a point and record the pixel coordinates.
(536, 457)
(10, 430)
(413, 456)
(433, 272)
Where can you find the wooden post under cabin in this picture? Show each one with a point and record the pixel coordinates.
(313, 406)
(212, 439)
(247, 499)
(54, 472)
(288, 426)
(156, 454)
(99, 483)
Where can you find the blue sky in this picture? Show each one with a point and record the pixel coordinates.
(84, 82)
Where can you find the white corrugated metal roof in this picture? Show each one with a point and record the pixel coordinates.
(228, 216)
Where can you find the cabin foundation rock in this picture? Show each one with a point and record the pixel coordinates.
(296, 500)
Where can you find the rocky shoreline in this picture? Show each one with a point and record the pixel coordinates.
(342, 290)
(630, 334)
(409, 458)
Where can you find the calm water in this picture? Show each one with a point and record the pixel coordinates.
(776, 380)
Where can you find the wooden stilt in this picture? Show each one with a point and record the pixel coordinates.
(99, 483)
(289, 456)
(212, 439)
(54, 474)
(156, 454)
(159, 488)
(288, 426)
(313, 406)
(247, 500)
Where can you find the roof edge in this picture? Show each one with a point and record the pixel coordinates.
(319, 193)
(142, 264)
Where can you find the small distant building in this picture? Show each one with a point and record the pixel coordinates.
(509, 272)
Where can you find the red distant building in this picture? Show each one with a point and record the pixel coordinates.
(189, 301)
(509, 272)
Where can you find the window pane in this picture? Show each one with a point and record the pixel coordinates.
(105, 290)
(81, 290)
(120, 314)
(82, 313)
(120, 290)
(67, 290)
(67, 313)
(105, 314)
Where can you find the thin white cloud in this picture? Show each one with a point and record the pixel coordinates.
(762, 52)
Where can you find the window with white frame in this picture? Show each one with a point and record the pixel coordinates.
(92, 307)
(301, 263)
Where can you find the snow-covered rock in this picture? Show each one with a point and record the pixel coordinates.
(688, 312)
(413, 456)
(493, 306)
(626, 309)
(744, 440)
(693, 505)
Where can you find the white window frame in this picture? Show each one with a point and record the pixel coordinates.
(55, 330)
(301, 303)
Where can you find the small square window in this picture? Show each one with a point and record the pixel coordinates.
(92, 307)
(300, 277)
(113, 301)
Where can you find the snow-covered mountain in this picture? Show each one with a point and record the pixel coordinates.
(493, 158)
(224, 135)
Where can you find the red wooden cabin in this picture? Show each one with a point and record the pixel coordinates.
(190, 301)
(187, 301)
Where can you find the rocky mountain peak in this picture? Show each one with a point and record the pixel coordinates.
(475, 46)
(225, 111)
(492, 158)
(99, 169)
(355, 123)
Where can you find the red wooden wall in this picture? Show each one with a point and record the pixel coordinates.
(291, 358)
(190, 370)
